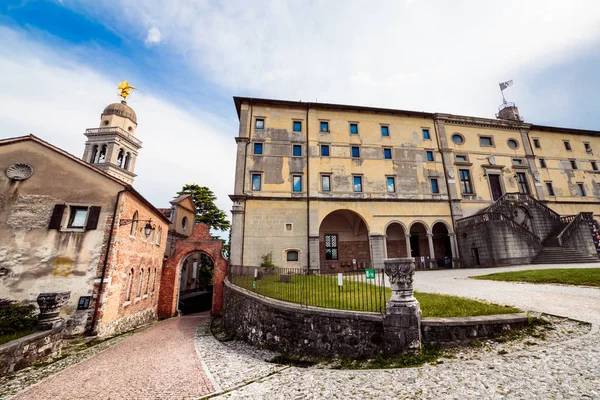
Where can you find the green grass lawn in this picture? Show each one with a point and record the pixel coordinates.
(323, 291)
(568, 276)
(10, 338)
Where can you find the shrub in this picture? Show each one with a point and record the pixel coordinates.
(267, 262)
(16, 317)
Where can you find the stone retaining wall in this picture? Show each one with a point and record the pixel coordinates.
(37, 347)
(290, 328)
(448, 330)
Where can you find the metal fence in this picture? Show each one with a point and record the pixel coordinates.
(363, 290)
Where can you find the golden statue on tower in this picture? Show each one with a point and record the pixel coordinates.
(125, 89)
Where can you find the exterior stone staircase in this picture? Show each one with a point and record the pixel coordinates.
(562, 255)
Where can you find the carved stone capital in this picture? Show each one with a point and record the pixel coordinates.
(50, 304)
(400, 272)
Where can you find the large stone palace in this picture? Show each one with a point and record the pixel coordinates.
(334, 187)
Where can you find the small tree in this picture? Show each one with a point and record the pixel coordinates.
(207, 211)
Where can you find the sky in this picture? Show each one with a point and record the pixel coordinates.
(61, 61)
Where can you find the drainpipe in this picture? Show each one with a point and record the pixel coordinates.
(437, 138)
(307, 194)
(92, 329)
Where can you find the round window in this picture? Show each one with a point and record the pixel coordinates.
(130, 129)
(106, 122)
(513, 144)
(458, 138)
(184, 223)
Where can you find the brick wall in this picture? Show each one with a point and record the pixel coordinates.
(347, 251)
(131, 251)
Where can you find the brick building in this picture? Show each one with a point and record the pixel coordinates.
(70, 224)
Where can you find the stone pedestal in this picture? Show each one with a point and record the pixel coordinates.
(50, 304)
(402, 319)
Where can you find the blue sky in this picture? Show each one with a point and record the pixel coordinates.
(60, 62)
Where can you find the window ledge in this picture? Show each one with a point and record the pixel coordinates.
(137, 300)
(520, 166)
(127, 303)
(72, 230)
(132, 237)
(145, 296)
(463, 163)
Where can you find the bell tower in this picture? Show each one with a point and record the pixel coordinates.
(113, 147)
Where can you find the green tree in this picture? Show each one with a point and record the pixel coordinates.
(206, 210)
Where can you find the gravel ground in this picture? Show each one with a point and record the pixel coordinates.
(563, 362)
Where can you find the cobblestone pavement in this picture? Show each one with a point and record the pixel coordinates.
(567, 369)
(581, 303)
(158, 363)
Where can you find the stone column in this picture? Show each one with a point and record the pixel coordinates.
(237, 228)
(408, 249)
(315, 254)
(431, 250)
(402, 319)
(377, 243)
(50, 304)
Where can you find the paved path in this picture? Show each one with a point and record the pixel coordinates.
(158, 363)
(581, 303)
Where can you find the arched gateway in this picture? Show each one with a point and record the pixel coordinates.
(195, 268)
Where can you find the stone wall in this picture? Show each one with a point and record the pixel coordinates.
(290, 328)
(25, 351)
(127, 322)
(448, 330)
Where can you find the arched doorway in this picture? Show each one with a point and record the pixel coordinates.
(196, 283)
(395, 241)
(419, 244)
(344, 242)
(441, 245)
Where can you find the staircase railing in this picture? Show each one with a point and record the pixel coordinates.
(492, 216)
(574, 222)
(522, 198)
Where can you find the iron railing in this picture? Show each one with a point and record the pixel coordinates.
(355, 290)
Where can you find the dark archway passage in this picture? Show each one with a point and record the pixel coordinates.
(344, 242)
(441, 245)
(395, 241)
(196, 283)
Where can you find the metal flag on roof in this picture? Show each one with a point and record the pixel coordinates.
(504, 85)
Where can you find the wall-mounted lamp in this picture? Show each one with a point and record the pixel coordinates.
(147, 229)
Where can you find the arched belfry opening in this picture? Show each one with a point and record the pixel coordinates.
(344, 242)
(196, 283)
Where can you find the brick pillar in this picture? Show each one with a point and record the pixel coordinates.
(402, 319)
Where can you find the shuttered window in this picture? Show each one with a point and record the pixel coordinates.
(93, 217)
(57, 215)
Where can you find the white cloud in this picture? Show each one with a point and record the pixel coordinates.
(153, 36)
(435, 56)
(57, 100)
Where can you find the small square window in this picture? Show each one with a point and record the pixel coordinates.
(385, 130)
(355, 152)
(324, 126)
(84, 302)
(581, 189)
(542, 163)
(391, 184)
(297, 182)
(260, 123)
(587, 146)
(354, 129)
(486, 141)
(549, 188)
(387, 154)
(288, 227)
(256, 182)
(567, 145)
(258, 148)
(292, 255)
(594, 165)
(324, 150)
(426, 135)
(77, 217)
(434, 186)
(573, 164)
(297, 126)
(297, 150)
(461, 158)
(536, 143)
(325, 183)
(430, 156)
(517, 161)
(357, 183)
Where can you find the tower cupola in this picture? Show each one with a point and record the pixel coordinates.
(112, 147)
